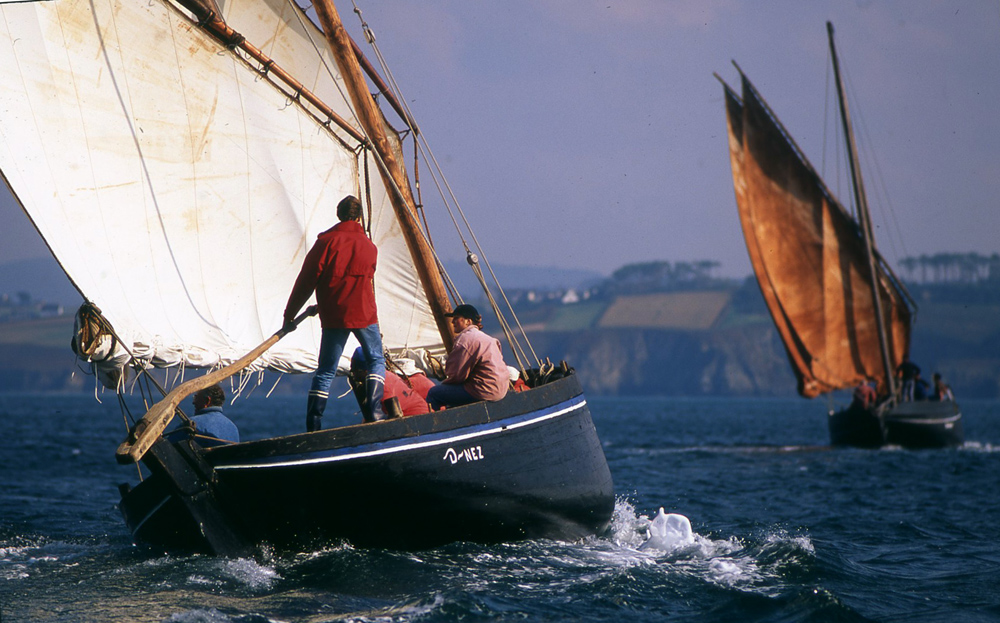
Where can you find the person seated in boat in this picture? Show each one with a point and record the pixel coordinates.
(475, 369)
(907, 371)
(404, 381)
(941, 390)
(864, 396)
(415, 378)
(210, 424)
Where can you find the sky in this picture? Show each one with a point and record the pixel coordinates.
(589, 135)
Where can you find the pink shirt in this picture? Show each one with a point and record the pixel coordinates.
(476, 363)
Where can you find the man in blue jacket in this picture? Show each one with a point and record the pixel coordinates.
(208, 419)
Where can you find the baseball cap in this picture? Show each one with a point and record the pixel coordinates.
(465, 311)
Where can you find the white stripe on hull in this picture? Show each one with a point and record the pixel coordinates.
(406, 447)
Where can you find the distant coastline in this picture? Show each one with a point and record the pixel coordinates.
(646, 330)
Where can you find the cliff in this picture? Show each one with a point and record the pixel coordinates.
(681, 343)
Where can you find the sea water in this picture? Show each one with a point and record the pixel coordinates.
(769, 524)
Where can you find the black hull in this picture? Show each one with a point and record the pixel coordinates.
(920, 424)
(529, 466)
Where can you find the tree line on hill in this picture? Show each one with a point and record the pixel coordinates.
(663, 276)
(957, 268)
(964, 271)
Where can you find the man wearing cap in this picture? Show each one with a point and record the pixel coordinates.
(340, 268)
(475, 369)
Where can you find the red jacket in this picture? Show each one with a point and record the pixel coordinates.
(340, 268)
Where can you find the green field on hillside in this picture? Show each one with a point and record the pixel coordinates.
(45, 332)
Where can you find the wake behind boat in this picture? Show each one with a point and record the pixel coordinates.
(179, 158)
(844, 317)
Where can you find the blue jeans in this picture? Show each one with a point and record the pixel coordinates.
(331, 347)
(449, 395)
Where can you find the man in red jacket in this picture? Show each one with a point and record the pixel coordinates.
(340, 268)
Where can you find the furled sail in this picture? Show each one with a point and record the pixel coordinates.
(808, 256)
(178, 185)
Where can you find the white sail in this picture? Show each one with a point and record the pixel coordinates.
(180, 189)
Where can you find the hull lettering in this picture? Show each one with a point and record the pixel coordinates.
(474, 453)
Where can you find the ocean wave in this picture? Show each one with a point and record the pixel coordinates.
(756, 565)
(22, 556)
(975, 446)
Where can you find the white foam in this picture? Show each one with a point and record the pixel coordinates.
(244, 572)
(730, 572)
(669, 532)
(669, 542)
(976, 446)
(200, 616)
(18, 562)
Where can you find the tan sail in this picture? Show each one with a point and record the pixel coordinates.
(808, 257)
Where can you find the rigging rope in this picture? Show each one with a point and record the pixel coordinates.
(423, 148)
(436, 169)
(887, 215)
(880, 191)
(92, 326)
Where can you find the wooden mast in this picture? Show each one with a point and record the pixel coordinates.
(392, 172)
(864, 217)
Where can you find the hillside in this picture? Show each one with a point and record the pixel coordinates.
(720, 340)
(716, 340)
(35, 356)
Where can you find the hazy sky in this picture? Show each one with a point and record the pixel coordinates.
(589, 135)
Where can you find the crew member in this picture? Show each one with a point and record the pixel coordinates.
(864, 395)
(907, 371)
(942, 391)
(340, 268)
(475, 369)
(403, 381)
(208, 419)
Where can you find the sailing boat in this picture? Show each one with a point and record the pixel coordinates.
(179, 158)
(843, 316)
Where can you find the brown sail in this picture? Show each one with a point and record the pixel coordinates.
(808, 255)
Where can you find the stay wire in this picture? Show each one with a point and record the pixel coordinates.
(888, 216)
(515, 345)
(428, 154)
(299, 12)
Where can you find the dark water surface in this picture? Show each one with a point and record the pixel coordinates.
(787, 529)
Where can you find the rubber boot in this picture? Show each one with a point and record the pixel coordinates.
(315, 406)
(374, 390)
(392, 408)
(357, 380)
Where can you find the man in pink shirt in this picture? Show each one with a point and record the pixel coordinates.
(475, 369)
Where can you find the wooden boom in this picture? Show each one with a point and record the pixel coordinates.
(147, 430)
